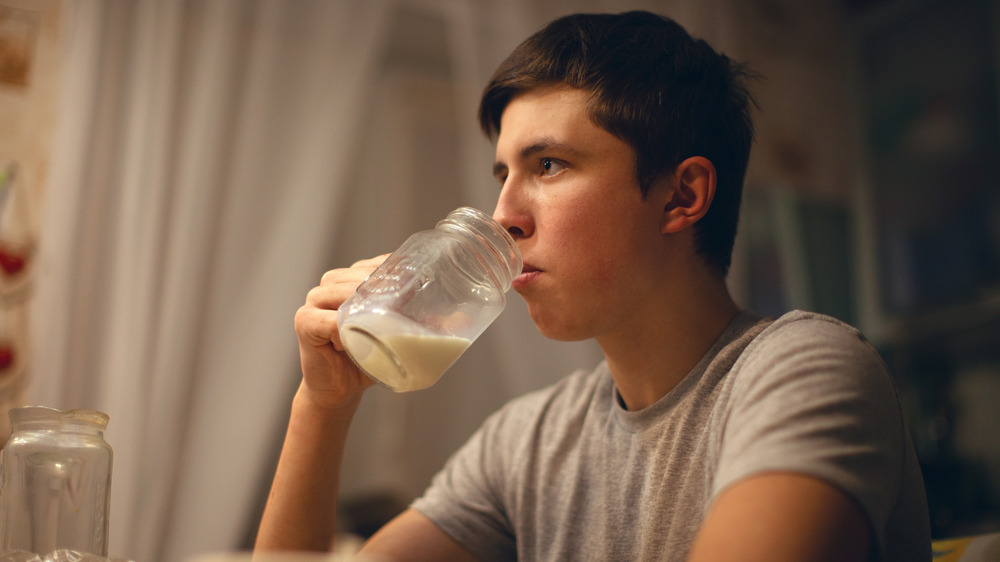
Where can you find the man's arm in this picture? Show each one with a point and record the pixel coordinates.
(783, 516)
(301, 510)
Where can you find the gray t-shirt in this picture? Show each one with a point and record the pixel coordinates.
(566, 473)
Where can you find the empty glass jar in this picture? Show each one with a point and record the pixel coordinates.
(420, 310)
(55, 482)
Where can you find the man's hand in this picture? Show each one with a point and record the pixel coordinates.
(329, 377)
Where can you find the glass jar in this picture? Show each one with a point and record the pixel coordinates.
(420, 310)
(55, 482)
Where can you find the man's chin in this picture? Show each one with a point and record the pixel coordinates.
(556, 328)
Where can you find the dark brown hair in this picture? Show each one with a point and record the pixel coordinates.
(667, 95)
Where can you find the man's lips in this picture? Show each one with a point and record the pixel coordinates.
(528, 274)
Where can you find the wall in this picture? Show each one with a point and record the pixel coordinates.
(30, 34)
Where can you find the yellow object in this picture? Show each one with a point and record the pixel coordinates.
(976, 548)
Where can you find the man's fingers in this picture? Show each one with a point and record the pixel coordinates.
(317, 327)
(371, 262)
(316, 321)
(328, 297)
(355, 274)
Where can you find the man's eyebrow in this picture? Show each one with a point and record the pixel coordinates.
(543, 144)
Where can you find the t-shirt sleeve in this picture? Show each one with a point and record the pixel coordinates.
(465, 499)
(815, 398)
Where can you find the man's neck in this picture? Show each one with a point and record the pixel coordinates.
(666, 340)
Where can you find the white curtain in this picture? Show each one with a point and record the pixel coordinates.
(211, 159)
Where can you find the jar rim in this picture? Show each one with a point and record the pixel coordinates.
(46, 413)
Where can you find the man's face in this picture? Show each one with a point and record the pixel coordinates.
(591, 243)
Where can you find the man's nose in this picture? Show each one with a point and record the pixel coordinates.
(512, 211)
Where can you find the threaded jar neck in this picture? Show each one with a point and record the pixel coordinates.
(492, 237)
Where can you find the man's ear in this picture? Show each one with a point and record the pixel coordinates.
(692, 192)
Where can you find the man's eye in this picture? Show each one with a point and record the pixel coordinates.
(551, 167)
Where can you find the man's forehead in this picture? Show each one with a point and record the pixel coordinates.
(544, 117)
(564, 99)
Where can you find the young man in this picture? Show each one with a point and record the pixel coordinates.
(708, 433)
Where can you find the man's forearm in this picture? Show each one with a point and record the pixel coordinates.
(301, 510)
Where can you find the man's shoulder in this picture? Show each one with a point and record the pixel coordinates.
(801, 330)
(812, 323)
(802, 346)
